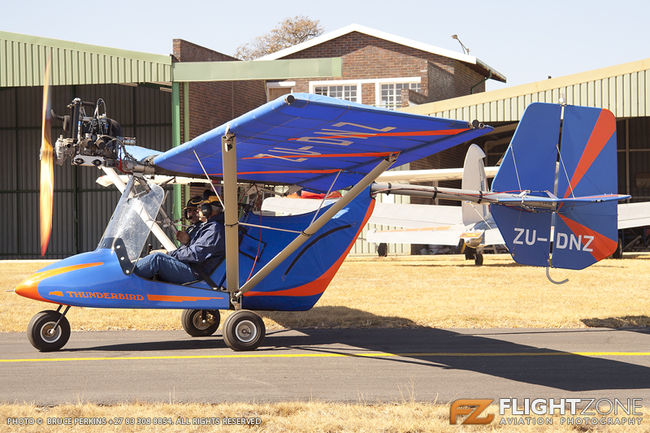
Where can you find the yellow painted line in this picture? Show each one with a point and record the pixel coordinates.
(329, 355)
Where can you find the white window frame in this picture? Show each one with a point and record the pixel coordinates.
(376, 81)
(357, 83)
(400, 80)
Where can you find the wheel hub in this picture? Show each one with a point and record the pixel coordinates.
(246, 331)
(201, 323)
(50, 332)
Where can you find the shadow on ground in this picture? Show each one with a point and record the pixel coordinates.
(433, 348)
(629, 323)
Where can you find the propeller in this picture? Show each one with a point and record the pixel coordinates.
(47, 164)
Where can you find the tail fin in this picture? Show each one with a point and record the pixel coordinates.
(474, 178)
(586, 232)
(529, 162)
(584, 221)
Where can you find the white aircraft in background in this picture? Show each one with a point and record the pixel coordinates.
(469, 226)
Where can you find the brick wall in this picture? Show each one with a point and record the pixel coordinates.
(215, 103)
(367, 57)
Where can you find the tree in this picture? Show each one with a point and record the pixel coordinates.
(289, 32)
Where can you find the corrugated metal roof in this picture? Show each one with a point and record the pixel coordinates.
(623, 89)
(23, 57)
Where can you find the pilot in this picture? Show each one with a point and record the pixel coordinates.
(204, 251)
(191, 214)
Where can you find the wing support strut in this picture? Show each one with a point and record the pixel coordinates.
(231, 214)
(316, 225)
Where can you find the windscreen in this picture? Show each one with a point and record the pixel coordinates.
(133, 217)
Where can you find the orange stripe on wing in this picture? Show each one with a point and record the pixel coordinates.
(174, 298)
(602, 246)
(280, 172)
(318, 286)
(329, 155)
(29, 287)
(602, 132)
(395, 134)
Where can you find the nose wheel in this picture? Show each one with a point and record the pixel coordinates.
(200, 323)
(49, 330)
(243, 330)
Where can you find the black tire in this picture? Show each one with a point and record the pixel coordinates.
(382, 250)
(243, 330)
(43, 335)
(478, 259)
(200, 323)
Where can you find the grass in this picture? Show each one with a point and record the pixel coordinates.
(281, 417)
(415, 291)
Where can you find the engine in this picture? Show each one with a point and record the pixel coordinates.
(91, 140)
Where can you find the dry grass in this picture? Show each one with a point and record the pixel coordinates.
(432, 291)
(282, 417)
(442, 291)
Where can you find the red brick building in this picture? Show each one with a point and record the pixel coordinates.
(379, 67)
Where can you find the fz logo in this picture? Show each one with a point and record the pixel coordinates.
(471, 408)
(562, 240)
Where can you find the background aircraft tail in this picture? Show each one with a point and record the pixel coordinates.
(572, 222)
(474, 178)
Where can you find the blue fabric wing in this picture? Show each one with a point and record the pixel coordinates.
(307, 139)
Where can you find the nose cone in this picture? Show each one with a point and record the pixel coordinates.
(29, 287)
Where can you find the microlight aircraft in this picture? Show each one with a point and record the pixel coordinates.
(318, 144)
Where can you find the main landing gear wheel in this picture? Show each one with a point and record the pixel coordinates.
(200, 323)
(478, 259)
(243, 330)
(48, 331)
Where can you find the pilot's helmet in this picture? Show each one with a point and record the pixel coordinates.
(209, 203)
(192, 206)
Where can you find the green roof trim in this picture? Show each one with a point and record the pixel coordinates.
(257, 70)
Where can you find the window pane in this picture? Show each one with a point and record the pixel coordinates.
(391, 94)
(347, 93)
